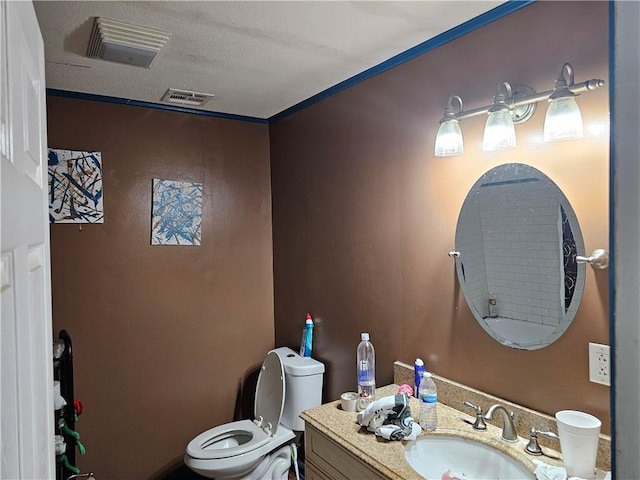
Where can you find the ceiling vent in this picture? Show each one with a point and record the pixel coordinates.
(122, 42)
(186, 97)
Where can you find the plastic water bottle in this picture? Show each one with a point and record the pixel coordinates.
(428, 403)
(366, 368)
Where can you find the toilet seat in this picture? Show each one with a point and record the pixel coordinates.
(245, 465)
(240, 437)
(214, 443)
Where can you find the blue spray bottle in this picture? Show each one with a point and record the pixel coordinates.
(418, 368)
(307, 337)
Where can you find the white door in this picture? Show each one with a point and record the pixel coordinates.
(26, 371)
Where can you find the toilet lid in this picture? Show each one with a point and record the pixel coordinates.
(270, 392)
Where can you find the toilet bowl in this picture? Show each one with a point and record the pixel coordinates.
(216, 453)
(261, 448)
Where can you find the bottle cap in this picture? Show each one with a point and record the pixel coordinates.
(364, 336)
(309, 320)
(427, 374)
(419, 362)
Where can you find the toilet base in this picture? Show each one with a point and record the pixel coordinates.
(274, 466)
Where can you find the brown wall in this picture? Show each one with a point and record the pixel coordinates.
(364, 214)
(163, 335)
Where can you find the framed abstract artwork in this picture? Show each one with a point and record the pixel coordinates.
(75, 186)
(176, 213)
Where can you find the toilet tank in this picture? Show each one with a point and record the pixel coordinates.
(303, 386)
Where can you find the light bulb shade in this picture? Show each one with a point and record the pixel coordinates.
(499, 132)
(563, 120)
(449, 139)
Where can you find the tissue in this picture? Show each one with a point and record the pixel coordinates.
(58, 400)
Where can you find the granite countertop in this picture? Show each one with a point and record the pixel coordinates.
(388, 457)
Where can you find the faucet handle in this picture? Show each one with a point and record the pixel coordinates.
(532, 447)
(479, 423)
(475, 407)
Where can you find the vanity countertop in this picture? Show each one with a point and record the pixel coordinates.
(388, 458)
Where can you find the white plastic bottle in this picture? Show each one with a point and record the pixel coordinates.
(493, 306)
(428, 403)
(366, 368)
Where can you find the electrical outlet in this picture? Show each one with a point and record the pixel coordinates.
(599, 364)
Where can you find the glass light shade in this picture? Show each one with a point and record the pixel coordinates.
(563, 120)
(499, 132)
(449, 139)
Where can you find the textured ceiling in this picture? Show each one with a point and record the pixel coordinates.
(257, 58)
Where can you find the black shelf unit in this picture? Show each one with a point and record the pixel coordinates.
(63, 372)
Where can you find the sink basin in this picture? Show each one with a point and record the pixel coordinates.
(431, 457)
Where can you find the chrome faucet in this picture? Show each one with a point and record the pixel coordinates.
(532, 447)
(508, 429)
(479, 423)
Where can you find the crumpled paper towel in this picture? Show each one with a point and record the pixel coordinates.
(544, 471)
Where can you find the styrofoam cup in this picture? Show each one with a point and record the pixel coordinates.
(578, 432)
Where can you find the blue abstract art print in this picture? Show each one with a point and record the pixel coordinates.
(75, 187)
(177, 213)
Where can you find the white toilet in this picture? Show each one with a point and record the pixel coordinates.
(261, 448)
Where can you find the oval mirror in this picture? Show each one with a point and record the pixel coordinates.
(517, 240)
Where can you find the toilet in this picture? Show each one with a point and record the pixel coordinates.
(261, 448)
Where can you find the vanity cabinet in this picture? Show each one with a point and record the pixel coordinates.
(337, 448)
(327, 460)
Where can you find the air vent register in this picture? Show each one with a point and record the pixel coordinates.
(123, 42)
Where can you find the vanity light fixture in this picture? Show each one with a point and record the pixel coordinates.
(449, 139)
(514, 105)
(499, 132)
(563, 120)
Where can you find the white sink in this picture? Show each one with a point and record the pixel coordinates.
(431, 457)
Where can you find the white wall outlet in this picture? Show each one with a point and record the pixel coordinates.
(599, 364)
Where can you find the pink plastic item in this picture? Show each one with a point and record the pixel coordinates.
(408, 389)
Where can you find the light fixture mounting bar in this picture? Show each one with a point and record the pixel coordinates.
(585, 86)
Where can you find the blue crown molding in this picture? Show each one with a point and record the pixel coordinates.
(435, 42)
(158, 106)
